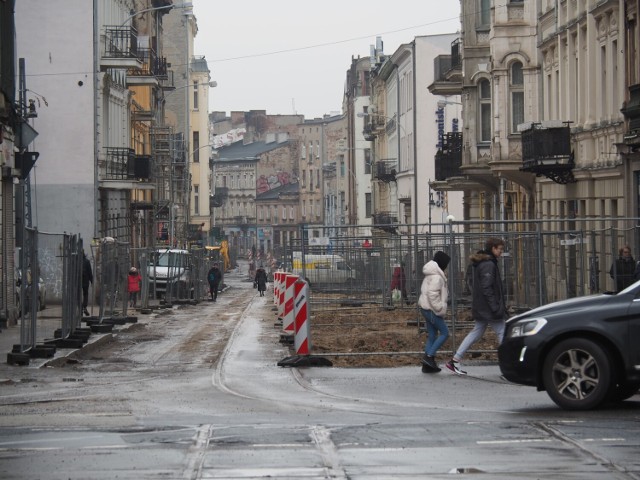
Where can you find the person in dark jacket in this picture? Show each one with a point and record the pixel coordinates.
(87, 279)
(214, 276)
(261, 280)
(623, 269)
(487, 299)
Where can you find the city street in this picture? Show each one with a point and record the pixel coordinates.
(195, 393)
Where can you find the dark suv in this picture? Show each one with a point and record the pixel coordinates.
(583, 351)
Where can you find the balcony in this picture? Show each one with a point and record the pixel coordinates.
(546, 150)
(217, 199)
(386, 221)
(123, 165)
(152, 71)
(367, 132)
(386, 170)
(167, 84)
(120, 48)
(447, 72)
(631, 112)
(449, 160)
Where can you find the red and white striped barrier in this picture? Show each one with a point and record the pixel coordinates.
(302, 340)
(288, 314)
(280, 299)
(276, 280)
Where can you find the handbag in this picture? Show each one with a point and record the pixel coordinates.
(255, 284)
(396, 295)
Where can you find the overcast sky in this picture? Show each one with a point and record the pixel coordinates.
(291, 56)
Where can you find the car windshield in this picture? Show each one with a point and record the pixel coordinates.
(162, 260)
(170, 259)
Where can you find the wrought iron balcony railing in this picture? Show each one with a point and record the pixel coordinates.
(386, 170)
(546, 150)
(120, 42)
(152, 65)
(124, 165)
(631, 111)
(386, 221)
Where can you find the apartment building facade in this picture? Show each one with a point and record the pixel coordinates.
(104, 148)
(243, 172)
(560, 74)
(403, 130)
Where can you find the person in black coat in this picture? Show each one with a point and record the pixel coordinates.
(261, 280)
(214, 276)
(623, 270)
(487, 299)
(87, 279)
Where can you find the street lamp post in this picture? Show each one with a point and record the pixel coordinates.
(132, 13)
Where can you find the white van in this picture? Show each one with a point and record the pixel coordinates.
(323, 269)
(172, 266)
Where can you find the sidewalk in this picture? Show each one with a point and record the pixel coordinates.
(49, 320)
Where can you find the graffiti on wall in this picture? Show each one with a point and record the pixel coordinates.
(269, 182)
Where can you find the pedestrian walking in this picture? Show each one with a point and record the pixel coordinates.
(487, 299)
(214, 276)
(87, 279)
(133, 286)
(434, 295)
(261, 280)
(623, 270)
(399, 282)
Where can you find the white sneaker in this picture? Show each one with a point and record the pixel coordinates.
(453, 366)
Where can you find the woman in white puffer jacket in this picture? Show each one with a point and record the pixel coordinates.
(433, 306)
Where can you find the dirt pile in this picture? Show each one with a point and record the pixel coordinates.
(354, 332)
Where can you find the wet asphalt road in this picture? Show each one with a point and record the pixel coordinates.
(196, 393)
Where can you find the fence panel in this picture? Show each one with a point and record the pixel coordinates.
(48, 292)
(543, 262)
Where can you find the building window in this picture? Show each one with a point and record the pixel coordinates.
(303, 151)
(484, 19)
(304, 208)
(284, 212)
(317, 148)
(196, 199)
(196, 147)
(291, 212)
(367, 161)
(516, 84)
(367, 205)
(484, 98)
(195, 95)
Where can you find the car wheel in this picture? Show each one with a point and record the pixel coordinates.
(577, 374)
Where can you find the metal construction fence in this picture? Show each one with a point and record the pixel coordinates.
(544, 261)
(48, 266)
